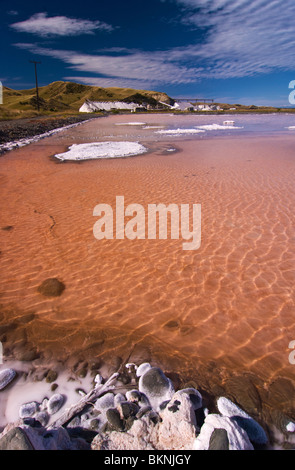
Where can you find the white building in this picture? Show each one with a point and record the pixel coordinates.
(93, 106)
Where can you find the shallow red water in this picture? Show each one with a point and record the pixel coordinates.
(230, 302)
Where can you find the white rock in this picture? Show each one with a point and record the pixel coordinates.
(290, 427)
(6, 376)
(98, 379)
(229, 409)
(237, 437)
(255, 432)
(177, 428)
(194, 395)
(143, 368)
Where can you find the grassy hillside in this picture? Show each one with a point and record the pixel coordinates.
(63, 98)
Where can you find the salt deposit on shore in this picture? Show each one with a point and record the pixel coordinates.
(136, 408)
(26, 141)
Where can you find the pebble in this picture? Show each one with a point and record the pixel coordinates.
(55, 403)
(28, 410)
(6, 377)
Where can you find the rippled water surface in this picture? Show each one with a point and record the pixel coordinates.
(229, 303)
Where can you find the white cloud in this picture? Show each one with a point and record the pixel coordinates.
(243, 37)
(44, 26)
(150, 67)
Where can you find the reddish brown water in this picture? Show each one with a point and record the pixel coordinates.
(231, 301)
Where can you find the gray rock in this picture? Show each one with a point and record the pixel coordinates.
(127, 409)
(55, 403)
(15, 439)
(51, 287)
(237, 437)
(156, 386)
(105, 402)
(219, 440)
(6, 377)
(114, 419)
(28, 410)
(42, 417)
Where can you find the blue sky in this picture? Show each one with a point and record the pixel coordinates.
(235, 51)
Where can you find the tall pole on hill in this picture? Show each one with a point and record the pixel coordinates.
(36, 76)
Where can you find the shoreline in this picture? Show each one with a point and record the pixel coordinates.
(73, 385)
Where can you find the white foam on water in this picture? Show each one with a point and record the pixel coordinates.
(216, 127)
(179, 131)
(130, 123)
(96, 150)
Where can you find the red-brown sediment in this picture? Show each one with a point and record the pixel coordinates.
(230, 303)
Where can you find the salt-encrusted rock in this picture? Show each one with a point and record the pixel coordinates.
(42, 417)
(119, 398)
(177, 428)
(143, 368)
(57, 439)
(139, 437)
(98, 379)
(290, 427)
(219, 440)
(237, 437)
(255, 432)
(194, 395)
(105, 402)
(137, 397)
(28, 409)
(156, 386)
(6, 377)
(127, 409)
(15, 439)
(55, 403)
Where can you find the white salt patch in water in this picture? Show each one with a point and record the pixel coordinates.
(216, 127)
(130, 123)
(179, 131)
(290, 127)
(95, 150)
(153, 127)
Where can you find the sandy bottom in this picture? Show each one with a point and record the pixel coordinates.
(228, 305)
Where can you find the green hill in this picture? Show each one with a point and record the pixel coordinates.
(67, 97)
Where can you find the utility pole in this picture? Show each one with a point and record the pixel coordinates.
(37, 91)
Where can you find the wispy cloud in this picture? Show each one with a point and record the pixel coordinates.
(157, 67)
(42, 25)
(243, 37)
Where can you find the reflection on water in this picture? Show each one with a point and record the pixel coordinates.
(230, 303)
